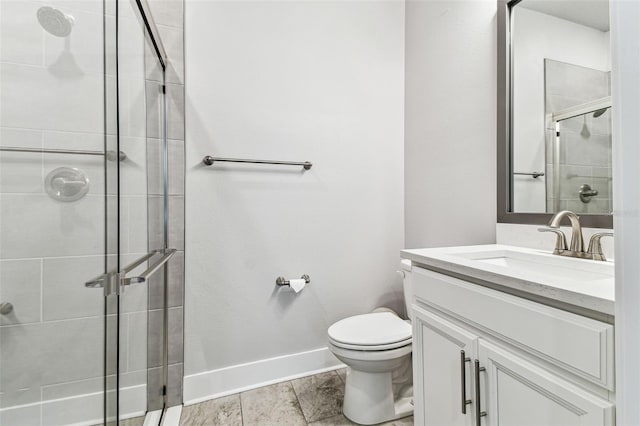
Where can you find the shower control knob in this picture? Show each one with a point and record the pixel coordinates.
(6, 308)
(67, 184)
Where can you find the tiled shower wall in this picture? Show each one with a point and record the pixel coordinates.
(585, 141)
(168, 15)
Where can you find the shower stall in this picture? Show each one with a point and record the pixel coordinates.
(83, 213)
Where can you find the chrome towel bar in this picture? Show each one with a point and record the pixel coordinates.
(282, 281)
(111, 155)
(209, 161)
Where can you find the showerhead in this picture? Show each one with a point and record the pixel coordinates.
(599, 112)
(55, 22)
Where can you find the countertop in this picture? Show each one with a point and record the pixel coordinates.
(590, 291)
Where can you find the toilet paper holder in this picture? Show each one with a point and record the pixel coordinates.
(283, 281)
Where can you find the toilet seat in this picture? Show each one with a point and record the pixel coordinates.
(378, 331)
(372, 347)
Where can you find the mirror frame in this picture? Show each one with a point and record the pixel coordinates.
(504, 135)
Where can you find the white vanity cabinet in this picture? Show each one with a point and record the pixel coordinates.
(523, 362)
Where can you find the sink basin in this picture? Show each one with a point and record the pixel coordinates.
(544, 264)
(585, 283)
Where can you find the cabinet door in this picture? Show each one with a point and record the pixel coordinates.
(442, 357)
(518, 393)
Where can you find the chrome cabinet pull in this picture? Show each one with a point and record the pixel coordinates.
(463, 382)
(479, 414)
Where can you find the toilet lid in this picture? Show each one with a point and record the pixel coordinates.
(379, 328)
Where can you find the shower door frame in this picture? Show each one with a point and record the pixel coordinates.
(114, 278)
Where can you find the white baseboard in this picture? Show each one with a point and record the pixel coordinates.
(239, 378)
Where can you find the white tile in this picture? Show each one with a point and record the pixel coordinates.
(134, 297)
(22, 138)
(152, 64)
(175, 111)
(15, 397)
(154, 110)
(28, 415)
(20, 282)
(176, 222)
(64, 293)
(137, 332)
(155, 167)
(73, 6)
(167, 12)
(20, 171)
(34, 98)
(136, 225)
(21, 36)
(173, 41)
(176, 167)
(132, 105)
(133, 170)
(87, 409)
(38, 226)
(51, 352)
(74, 140)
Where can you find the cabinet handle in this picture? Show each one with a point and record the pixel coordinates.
(463, 382)
(479, 414)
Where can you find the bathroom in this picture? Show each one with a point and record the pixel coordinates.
(196, 195)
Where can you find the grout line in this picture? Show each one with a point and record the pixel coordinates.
(41, 291)
(241, 408)
(241, 415)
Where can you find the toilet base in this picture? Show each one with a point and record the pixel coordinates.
(369, 398)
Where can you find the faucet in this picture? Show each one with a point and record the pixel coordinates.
(576, 247)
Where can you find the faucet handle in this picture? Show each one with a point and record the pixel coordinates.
(595, 246)
(561, 239)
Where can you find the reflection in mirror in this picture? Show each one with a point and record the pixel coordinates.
(561, 107)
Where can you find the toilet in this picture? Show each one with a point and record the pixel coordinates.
(377, 349)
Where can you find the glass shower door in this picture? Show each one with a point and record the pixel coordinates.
(135, 289)
(80, 162)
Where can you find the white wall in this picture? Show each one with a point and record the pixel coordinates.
(537, 36)
(316, 81)
(450, 148)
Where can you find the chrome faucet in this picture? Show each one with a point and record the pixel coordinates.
(576, 247)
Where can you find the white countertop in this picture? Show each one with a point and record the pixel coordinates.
(582, 283)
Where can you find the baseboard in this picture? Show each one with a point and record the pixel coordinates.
(242, 377)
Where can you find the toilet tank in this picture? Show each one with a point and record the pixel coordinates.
(407, 285)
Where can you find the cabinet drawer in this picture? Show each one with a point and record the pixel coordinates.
(581, 345)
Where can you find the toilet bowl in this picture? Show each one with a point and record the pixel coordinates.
(377, 349)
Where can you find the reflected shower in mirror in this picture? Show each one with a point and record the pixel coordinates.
(560, 112)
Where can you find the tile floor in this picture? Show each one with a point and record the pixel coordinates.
(308, 401)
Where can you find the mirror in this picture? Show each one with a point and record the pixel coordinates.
(554, 111)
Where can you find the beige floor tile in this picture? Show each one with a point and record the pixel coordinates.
(320, 396)
(217, 412)
(274, 405)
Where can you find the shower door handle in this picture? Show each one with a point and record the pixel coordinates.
(113, 281)
(167, 254)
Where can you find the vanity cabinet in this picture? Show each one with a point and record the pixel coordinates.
(523, 362)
